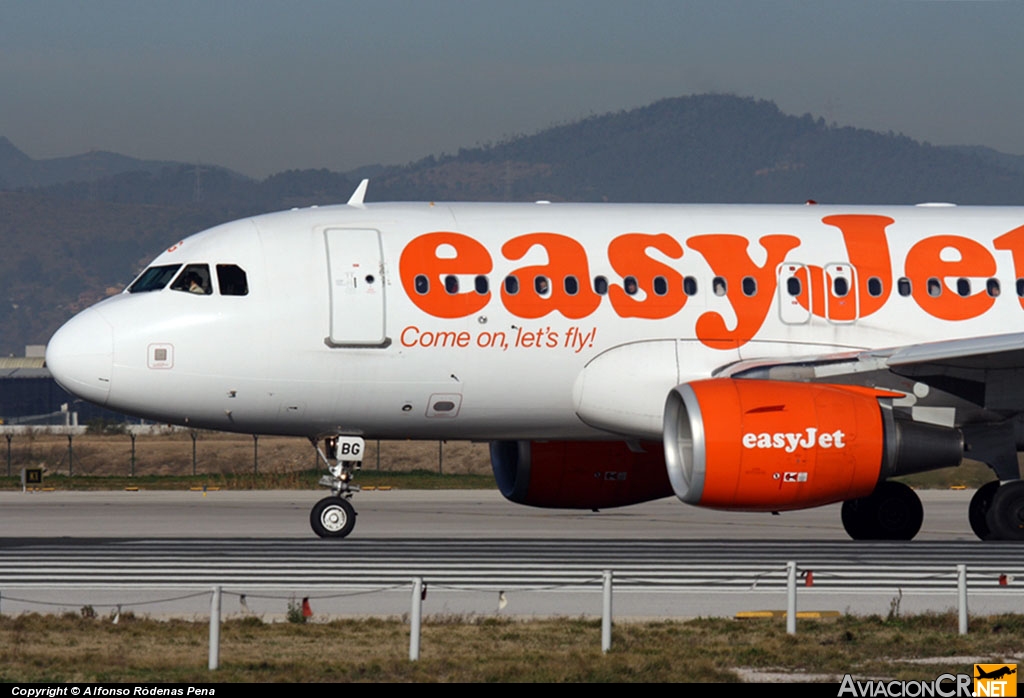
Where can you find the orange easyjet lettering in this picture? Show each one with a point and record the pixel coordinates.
(544, 288)
(628, 256)
(445, 275)
(426, 263)
(930, 263)
(868, 251)
(1014, 242)
(750, 288)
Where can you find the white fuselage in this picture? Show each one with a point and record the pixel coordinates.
(350, 323)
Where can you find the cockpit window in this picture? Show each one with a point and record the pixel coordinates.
(154, 278)
(194, 279)
(232, 280)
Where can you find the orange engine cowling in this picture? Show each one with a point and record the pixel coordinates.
(579, 474)
(773, 446)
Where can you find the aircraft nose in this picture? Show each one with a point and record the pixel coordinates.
(80, 356)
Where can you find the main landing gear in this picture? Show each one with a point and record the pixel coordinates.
(334, 516)
(997, 511)
(892, 512)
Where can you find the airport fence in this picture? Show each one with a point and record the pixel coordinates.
(795, 580)
(159, 450)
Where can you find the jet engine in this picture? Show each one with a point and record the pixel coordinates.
(771, 445)
(580, 474)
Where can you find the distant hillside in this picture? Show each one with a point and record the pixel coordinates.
(209, 188)
(19, 171)
(67, 246)
(704, 148)
(1009, 162)
(710, 148)
(56, 258)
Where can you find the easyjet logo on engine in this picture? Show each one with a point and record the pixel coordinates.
(653, 289)
(791, 441)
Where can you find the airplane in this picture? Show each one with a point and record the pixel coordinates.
(760, 358)
(996, 673)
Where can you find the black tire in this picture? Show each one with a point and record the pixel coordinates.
(899, 513)
(977, 512)
(857, 518)
(332, 517)
(892, 512)
(1006, 514)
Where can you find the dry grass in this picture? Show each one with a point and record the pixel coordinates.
(71, 648)
(970, 474)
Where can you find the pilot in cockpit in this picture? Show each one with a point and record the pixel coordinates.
(195, 284)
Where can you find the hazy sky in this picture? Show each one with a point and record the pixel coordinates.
(262, 86)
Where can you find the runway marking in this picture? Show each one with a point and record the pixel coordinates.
(501, 563)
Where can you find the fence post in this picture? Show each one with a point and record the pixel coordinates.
(606, 613)
(415, 619)
(132, 435)
(961, 594)
(215, 629)
(791, 598)
(71, 458)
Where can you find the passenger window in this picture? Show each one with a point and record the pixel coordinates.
(541, 285)
(963, 287)
(511, 285)
(232, 280)
(154, 278)
(451, 284)
(903, 286)
(629, 285)
(1020, 287)
(571, 285)
(840, 286)
(874, 287)
(749, 286)
(718, 286)
(793, 286)
(660, 285)
(934, 287)
(481, 285)
(689, 285)
(421, 284)
(992, 287)
(600, 285)
(195, 278)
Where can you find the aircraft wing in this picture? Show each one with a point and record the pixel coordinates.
(995, 352)
(983, 372)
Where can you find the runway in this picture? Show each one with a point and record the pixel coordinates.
(445, 515)
(62, 551)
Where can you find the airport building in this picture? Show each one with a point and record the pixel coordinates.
(30, 396)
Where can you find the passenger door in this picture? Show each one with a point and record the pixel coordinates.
(356, 275)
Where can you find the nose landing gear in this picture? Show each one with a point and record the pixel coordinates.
(334, 516)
